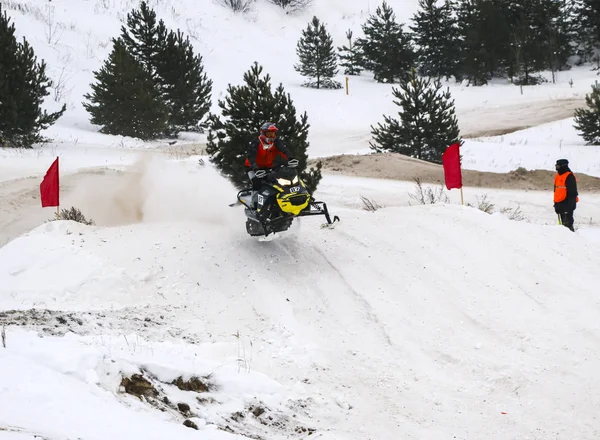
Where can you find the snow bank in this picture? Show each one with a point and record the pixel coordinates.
(396, 321)
(78, 394)
(534, 148)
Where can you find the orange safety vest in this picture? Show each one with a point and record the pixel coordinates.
(560, 187)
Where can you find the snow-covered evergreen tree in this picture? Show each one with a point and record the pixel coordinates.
(386, 49)
(350, 56)
(144, 37)
(473, 52)
(538, 38)
(587, 14)
(435, 36)
(587, 121)
(23, 87)
(318, 60)
(427, 123)
(176, 70)
(244, 110)
(184, 85)
(124, 100)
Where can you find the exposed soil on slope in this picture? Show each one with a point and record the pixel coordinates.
(496, 121)
(399, 167)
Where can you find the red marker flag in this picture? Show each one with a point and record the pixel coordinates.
(49, 188)
(452, 171)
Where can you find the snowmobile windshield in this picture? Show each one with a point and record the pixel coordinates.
(286, 176)
(285, 173)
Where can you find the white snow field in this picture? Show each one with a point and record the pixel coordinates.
(398, 324)
(74, 39)
(412, 322)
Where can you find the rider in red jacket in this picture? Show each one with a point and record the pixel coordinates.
(263, 150)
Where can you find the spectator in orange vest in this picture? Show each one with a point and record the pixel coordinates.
(565, 193)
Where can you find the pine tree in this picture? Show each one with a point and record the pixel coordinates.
(317, 56)
(245, 109)
(184, 85)
(144, 37)
(387, 50)
(571, 22)
(124, 100)
(473, 53)
(588, 29)
(174, 67)
(558, 33)
(587, 121)
(427, 123)
(436, 38)
(538, 37)
(23, 86)
(350, 56)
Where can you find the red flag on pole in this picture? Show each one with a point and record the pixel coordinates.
(452, 171)
(49, 188)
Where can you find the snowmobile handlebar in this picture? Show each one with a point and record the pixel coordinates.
(293, 163)
(261, 173)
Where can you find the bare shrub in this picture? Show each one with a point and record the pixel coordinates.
(514, 213)
(483, 205)
(24, 8)
(427, 195)
(192, 27)
(53, 30)
(370, 204)
(174, 14)
(89, 46)
(75, 215)
(244, 359)
(102, 5)
(237, 5)
(184, 151)
(292, 5)
(59, 86)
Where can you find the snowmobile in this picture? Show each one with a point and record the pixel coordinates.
(282, 197)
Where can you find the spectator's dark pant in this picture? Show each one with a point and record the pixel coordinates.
(566, 218)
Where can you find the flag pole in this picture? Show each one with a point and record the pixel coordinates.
(452, 169)
(50, 188)
(57, 193)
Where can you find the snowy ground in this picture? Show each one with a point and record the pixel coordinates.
(395, 322)
(413, 322)
(422, 349)
(73, 37)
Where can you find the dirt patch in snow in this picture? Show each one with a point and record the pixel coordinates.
(496, 121)
(256, 420)
(399, 167)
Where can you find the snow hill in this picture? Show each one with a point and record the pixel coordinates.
(410, 322)
(74, 39)
(399, 324)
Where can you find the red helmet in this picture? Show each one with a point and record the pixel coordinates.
(268, 132)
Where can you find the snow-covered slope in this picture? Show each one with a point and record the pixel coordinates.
(535, 148)
(401, 323)
(74, 39)
(412, 322)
